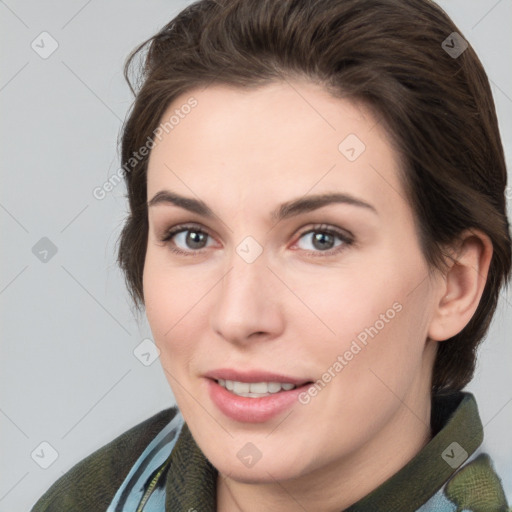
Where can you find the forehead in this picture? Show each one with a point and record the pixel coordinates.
(279, 140)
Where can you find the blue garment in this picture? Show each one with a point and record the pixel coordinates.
(140, 491)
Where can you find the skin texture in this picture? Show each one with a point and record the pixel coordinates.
(295, 309)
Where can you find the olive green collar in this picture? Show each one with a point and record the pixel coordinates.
(191, 481)
(454, 419)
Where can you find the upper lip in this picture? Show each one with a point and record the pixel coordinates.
(254, 376)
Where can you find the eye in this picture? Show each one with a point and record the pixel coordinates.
(322, 239)
(190, 237)
(189, 240)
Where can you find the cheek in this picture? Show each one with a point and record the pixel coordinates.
(167, 292)
(162, 306)
(174, 304)
(355, 300)
(156, 298)
(378, 316)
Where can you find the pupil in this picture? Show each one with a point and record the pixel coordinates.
(320, 237)
(194, 238)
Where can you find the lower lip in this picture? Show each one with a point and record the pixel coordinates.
(252, 410)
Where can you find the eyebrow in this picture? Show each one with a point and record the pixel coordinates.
(284, 211)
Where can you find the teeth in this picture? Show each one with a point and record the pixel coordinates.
(258, 387)
(255, 389)
(241, 387)
(274, 387)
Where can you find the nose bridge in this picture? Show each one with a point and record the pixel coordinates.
(243, 286)
(245, 302)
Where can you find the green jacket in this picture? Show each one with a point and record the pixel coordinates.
(450, 474)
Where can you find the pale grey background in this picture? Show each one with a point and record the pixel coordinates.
(68, 374)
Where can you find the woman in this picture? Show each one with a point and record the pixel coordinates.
(318, 237)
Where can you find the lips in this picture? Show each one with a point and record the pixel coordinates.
(250, 409)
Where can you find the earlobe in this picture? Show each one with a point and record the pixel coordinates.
(462, 287)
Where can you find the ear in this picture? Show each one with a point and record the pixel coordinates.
(462, 285)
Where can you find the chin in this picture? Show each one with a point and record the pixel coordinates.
(276, 466)
(261, 473)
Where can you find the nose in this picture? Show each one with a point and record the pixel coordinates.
(247, 302)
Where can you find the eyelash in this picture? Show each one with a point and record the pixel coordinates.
(320, 228)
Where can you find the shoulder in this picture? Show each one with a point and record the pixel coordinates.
(476, 484)
(92, 483)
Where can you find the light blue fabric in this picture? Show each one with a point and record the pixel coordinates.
(131, 491)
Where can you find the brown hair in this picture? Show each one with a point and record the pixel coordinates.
(437, 107)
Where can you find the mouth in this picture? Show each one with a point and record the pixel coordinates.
(253, 397)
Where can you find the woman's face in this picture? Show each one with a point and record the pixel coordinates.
(276, 284)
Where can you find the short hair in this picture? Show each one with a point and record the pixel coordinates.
(393, 56)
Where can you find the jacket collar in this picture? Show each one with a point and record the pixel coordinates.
(192, 480)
